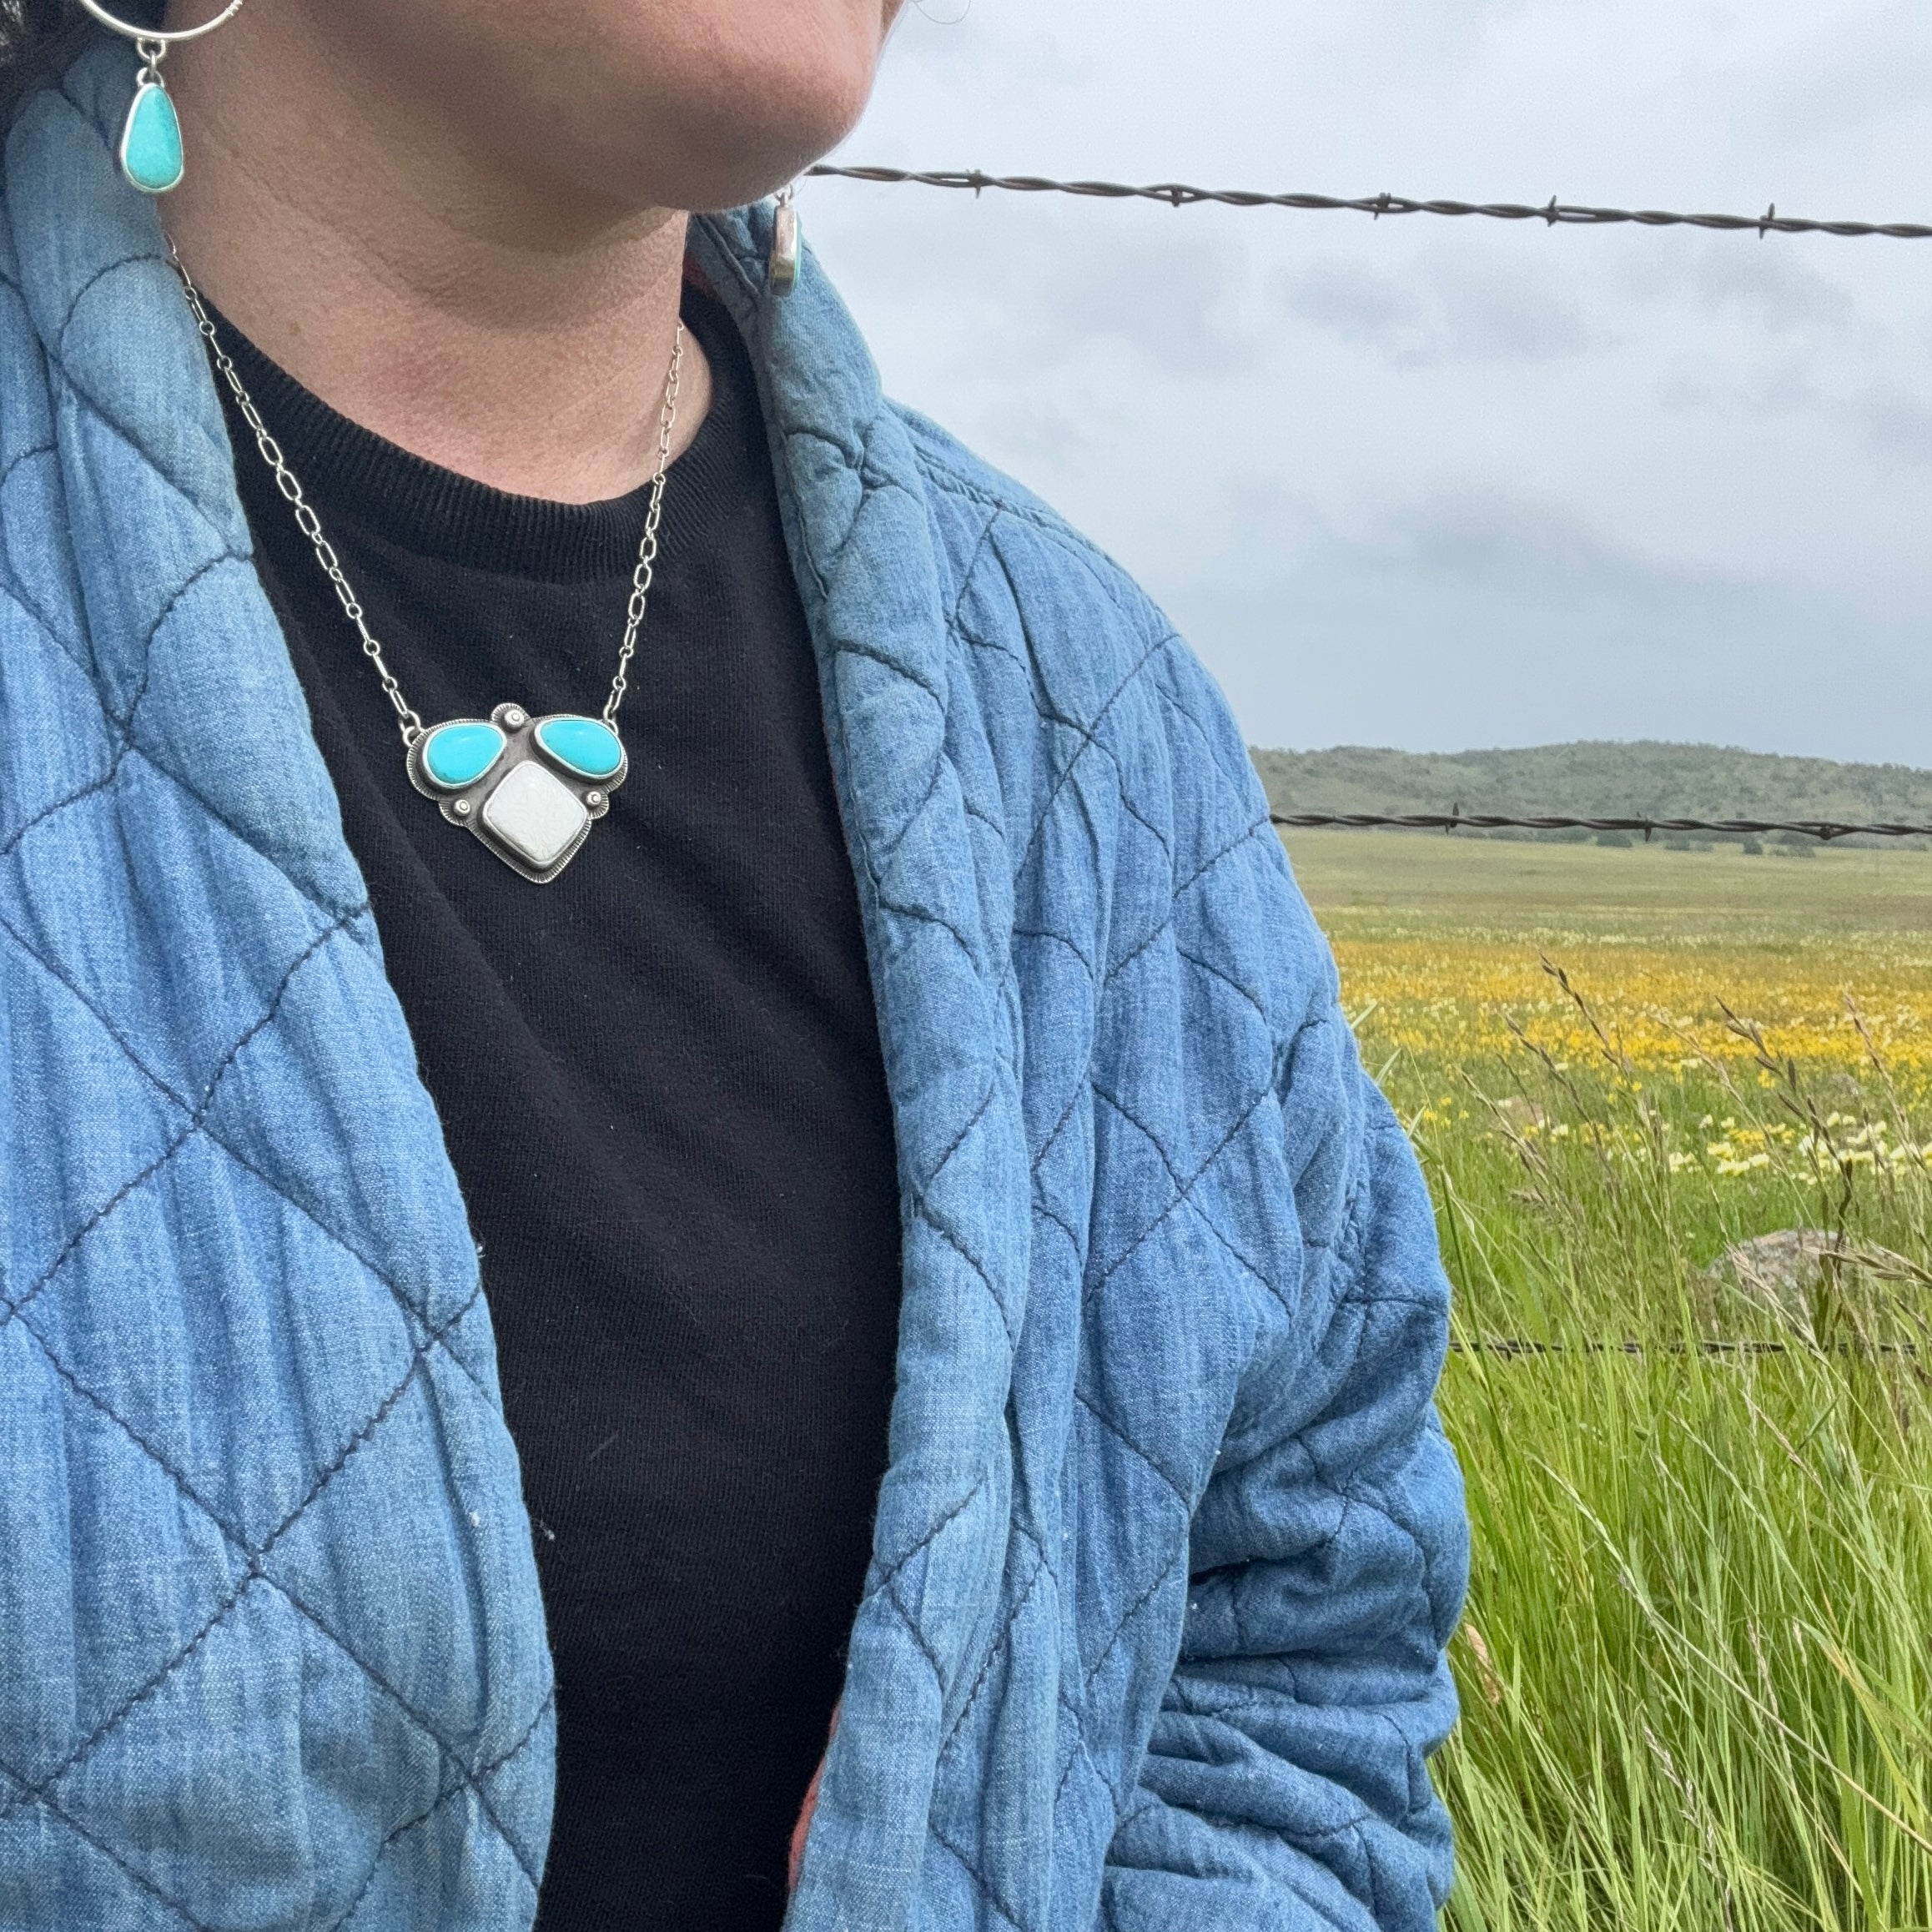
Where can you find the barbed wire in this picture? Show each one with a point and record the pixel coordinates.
(1552, 213)
(1512, 1348)
(1460, 820)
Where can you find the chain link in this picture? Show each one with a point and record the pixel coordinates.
(647, 550)
(310, 524)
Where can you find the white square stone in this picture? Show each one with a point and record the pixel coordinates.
(535, 815)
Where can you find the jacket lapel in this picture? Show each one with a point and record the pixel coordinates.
(219, 710)
(218, 705)
(864, 552)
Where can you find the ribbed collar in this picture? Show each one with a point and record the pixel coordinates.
(357, 477)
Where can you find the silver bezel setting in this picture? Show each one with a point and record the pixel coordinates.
(464, 805)
(150, 82)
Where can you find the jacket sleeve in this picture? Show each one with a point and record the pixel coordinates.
(1285, 1786)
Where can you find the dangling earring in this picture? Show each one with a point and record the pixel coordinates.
(782, 273)
(150, 153)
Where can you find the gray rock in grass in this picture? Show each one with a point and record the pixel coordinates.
(1781, 1273)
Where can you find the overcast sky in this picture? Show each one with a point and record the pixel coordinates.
(1446, 484)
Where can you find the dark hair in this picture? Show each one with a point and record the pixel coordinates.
(40, 39)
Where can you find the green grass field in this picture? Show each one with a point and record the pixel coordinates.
(1460, 882)
(1697, 1662)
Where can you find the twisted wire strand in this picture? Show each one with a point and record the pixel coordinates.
(1820, 829)
(1552, 213)
(1513, 1348)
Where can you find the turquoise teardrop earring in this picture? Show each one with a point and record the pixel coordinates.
(151, 154)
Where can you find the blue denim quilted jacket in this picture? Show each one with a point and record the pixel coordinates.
(1171, 1542)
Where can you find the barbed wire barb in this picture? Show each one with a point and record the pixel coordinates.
(1552, 213)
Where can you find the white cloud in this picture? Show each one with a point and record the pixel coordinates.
(1446, 310)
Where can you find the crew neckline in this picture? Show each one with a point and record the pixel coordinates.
(353, 475)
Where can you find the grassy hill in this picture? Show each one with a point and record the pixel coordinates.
(1593, 780)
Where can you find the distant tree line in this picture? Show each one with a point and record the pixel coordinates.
(1598, 779)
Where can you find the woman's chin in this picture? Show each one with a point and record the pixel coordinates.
(733, 136)
(703, 104)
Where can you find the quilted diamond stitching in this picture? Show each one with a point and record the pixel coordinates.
(1045, 1209)
(1052, 714)
(418, 1351)
(1226, 975)
(1115, 1429)
(891, 904)
(32, 453)
(1081, 1090)
(1240, 778)
(17, 592)
(1159, 1581)
(1046, 933)
(891, 1572)
(1181, 1198)
(100, 274)
(122, 724)
(1215, 972)
(1088, 735)
(91, 1839)
(416, 1315)
(32, 1789)
(890, 1586)
(1206, 1220)
(466, 1776)
(1184, 1186)
(255, 1557)
(981, 1884)
(887, 1582)
(69, 800)
(960, 1139)
(995, 1649)
(147, 754)
(1227, 851)
(974, 810)
(216, 816)
(16, 1306)
(924, 1210)
(1186, 885)
(422, 1818)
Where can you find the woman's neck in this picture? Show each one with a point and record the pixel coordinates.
(425, 284)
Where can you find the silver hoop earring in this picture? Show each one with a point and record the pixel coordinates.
(782, 272)
(151, 155)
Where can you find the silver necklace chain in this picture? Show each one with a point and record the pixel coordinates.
(290, 484)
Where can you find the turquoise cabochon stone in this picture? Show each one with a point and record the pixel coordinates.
(151, 155)
(583, 745)
(456, 755)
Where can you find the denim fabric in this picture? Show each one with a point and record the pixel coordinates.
(1170, 1540)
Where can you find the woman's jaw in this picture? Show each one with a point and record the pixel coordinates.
(593, 109)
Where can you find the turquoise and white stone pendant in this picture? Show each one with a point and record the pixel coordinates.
(530, 788)
(151, 153)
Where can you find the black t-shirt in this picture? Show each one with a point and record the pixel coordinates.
(661, 1083)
